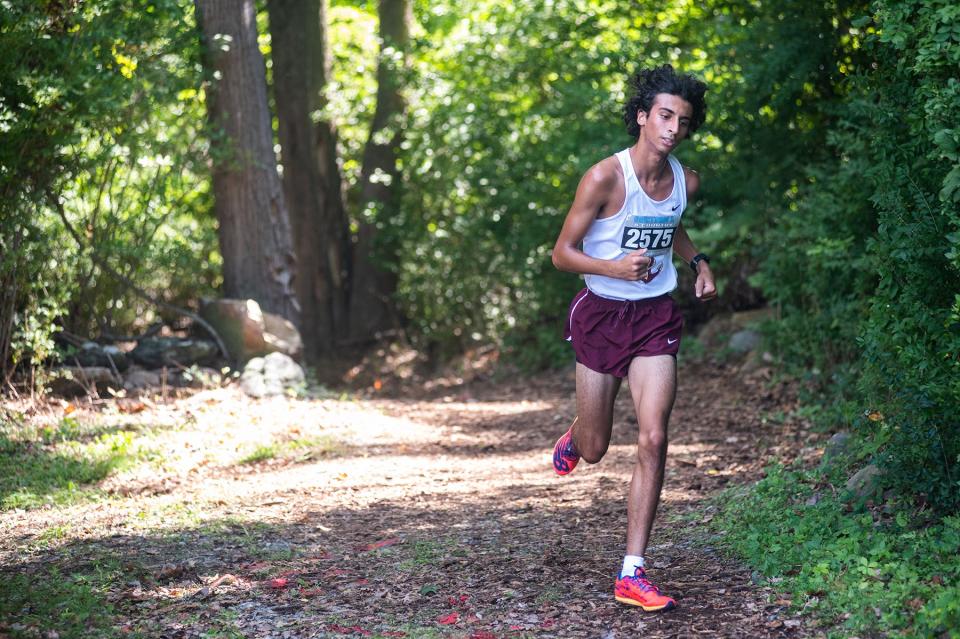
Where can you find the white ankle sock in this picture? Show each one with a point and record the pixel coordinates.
(630, 565)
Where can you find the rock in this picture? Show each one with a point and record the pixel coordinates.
(248, 332)
(281, 336)
(139, 379)
(93, 354)
(865, 482)
(837, 446)
(744, 341)
(79, 380)
(157, 352)
(275, 374)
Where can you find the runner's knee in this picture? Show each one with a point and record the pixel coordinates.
(592, 449)
(652, 441)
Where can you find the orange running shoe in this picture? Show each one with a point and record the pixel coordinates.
(638, 591)
(565, 456)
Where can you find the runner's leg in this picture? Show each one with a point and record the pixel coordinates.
(653, 385)
(596, 393)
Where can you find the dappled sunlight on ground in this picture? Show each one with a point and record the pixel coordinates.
(271, 509)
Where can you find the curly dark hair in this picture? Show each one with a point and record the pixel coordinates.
(649, 82)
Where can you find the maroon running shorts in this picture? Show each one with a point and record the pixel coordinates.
(607, 334)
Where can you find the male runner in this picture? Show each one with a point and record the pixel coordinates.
(626, 213)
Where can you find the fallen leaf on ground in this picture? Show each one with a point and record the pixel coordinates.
(383, 543)
(446, 620)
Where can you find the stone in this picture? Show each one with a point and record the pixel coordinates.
(281, 336)
(282, 368)
(158, 352)
(865, 482)
(248, 332)
(93, 354)
(837, 446)
(80, 380)
(274, 374)
(744, 341)
(140, 379)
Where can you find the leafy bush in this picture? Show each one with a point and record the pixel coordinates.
(100, 108)
(865, 274)
(858, 572)
(512, 105)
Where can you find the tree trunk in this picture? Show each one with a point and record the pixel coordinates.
(9, 286)
(254, 228)
(371, 305)
(311, 176)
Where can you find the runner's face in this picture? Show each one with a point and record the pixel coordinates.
(667, 123)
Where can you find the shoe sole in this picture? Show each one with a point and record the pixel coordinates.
(633, 602)
(563, 472)
(573, 467)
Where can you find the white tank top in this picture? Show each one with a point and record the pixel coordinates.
(641, 223)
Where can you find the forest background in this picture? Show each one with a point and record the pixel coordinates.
(447, 141)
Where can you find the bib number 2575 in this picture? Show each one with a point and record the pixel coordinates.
(640, 238)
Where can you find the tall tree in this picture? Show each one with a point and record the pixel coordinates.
(254, 227)
(311, 176)
(371, 304)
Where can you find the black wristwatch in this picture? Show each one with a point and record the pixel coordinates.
(699, 257)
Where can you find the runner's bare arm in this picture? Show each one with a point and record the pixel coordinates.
(596, 191)
(705, 288)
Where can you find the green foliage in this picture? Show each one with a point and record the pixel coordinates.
(867, 276)
(912, 335)
(512, 105)
(70, 606)
(101, 111)
(859, 572)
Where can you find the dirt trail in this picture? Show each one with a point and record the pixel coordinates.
(427, 517)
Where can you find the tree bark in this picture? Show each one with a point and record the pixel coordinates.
(254, 227)
(311, 176)
(372, 307)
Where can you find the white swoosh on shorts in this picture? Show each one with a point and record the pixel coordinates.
(671, 342)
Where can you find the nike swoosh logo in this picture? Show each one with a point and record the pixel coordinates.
(672, 341)
(675, 208)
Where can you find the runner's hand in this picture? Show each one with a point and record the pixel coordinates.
(705, 287)
(634, 266)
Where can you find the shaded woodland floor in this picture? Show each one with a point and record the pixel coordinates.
(429, 516)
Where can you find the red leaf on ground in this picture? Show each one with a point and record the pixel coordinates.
(279, 582)
(446, 620)
(383, 543)
(547, 624)
(310, 592)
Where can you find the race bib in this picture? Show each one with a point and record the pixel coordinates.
(652, 233)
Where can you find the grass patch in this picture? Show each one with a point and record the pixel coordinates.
(260, 454)
(299, 450)
(423, 553)
(859, 571)
(57, 464)
(73, 606)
